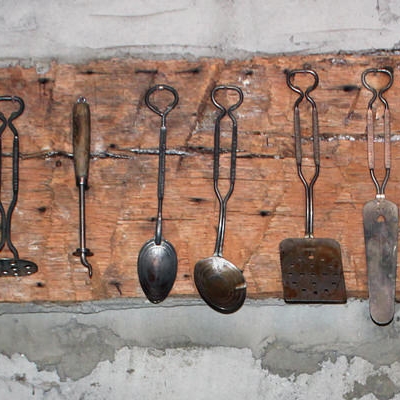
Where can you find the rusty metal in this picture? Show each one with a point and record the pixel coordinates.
(81, 145)
(12, 266)
(220, 283)
(380, 216)
(312, 270)
(157, 261)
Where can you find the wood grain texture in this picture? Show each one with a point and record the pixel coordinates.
(266, 207)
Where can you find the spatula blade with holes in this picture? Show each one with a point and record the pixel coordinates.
(312, 271)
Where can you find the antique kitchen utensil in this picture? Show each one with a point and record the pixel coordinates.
(312, 269)
(81, 146)
(12, 266)
(157, 261)
(220, 283)
(380, 216)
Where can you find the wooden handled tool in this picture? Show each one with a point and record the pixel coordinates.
(81, 145)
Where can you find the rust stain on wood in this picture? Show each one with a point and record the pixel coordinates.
(267, 205)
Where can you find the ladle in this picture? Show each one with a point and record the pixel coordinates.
(157, 261)
(220, 283)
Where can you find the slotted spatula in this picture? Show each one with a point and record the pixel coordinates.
(312, 269)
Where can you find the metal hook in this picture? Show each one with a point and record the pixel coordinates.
(169, 107)
(290, 75)
(14, 99)
(227, 87)
(374, 92)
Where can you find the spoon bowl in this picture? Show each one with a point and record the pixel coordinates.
(220, 284)
(157, 268)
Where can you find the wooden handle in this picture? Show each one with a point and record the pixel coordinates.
(81, 140)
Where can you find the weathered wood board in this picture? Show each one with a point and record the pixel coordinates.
(267, 205)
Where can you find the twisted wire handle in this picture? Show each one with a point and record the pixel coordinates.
(162, 148)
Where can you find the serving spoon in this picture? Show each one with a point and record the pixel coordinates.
(157, 261)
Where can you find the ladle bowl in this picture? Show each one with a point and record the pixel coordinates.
(157, 268)
(220, 283)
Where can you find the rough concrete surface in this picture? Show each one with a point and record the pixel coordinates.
(184, 350)
(199, 373)
(82, 30)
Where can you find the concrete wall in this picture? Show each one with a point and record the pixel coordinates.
(66, 30)
(182, 349)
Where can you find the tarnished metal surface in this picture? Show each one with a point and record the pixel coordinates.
(157, 263)
(381, 235)
(312, 271)
(12, 266)
(219, 282)
(154, 269)
(380, 216)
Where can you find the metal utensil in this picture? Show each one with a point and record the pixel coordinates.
(380, 217)
(157, 261)
(81, 146)
(312, 269)
(12, 266)
(220, 283)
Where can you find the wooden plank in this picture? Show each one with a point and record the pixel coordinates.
(267, 205)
